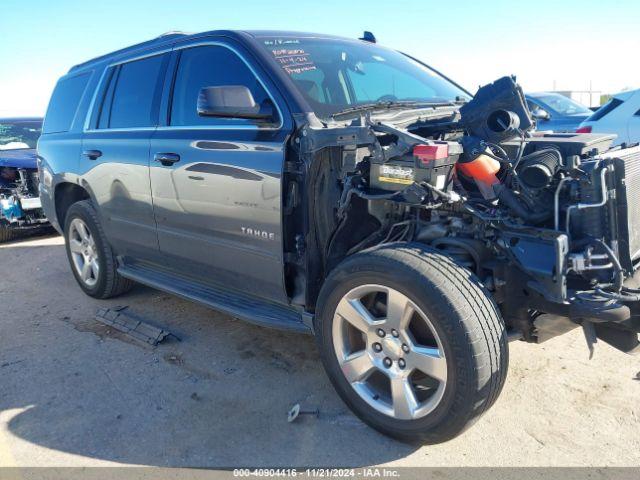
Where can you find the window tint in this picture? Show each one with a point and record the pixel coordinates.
(562, 105)
(136, 84)
(312, 83)
(606, 109)
(210, 66)
(377, 81)
(637, 114)
(334, 75)
(19, 134)
(103, 114)
(64, 103)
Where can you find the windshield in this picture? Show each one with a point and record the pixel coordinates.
(19, 134)
(334, 75)
(563, 105)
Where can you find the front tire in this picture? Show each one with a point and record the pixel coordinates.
(91, 258)
(412, 342)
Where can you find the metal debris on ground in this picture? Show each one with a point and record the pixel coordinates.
(128, 323)
(296, 411)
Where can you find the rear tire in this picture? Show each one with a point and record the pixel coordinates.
(458, 363)
(7, 234)
(91, 258)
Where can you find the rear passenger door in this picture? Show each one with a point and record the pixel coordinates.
(115, 150)
(218, 206)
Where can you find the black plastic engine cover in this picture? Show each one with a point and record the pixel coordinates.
(503, 94)
(581, 144)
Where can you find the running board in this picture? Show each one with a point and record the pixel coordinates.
(247, 308)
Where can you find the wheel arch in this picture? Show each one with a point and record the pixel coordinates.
(464, 316)
(65, 195)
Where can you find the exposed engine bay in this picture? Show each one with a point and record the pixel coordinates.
(549, 223)
(20, 205)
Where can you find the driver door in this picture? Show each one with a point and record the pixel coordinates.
(217, 193)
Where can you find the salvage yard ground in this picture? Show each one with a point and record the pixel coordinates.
(74, 392)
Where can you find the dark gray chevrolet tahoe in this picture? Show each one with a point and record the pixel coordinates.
(328, 185)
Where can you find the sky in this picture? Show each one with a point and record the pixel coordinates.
(562, 45)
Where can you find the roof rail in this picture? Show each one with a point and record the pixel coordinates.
(173, 32)
(159, 39)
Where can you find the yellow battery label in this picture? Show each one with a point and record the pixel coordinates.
(396, 174)
(402, 181)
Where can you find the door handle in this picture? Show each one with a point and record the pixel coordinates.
(92, 154)
(166, 159)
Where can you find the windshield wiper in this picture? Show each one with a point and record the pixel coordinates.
(392, 105)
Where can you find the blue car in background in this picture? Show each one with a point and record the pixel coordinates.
(556, 112)
(20, 207)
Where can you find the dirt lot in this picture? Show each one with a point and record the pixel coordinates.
(74, 393)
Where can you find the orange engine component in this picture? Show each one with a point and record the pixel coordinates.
(483, 170)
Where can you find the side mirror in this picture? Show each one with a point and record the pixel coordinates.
(232, 101)
(540, 114)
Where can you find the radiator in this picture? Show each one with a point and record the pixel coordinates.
(627, 187)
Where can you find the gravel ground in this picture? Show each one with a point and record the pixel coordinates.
(75, 393)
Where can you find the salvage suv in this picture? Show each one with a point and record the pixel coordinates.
(20, 208)
(328, 185)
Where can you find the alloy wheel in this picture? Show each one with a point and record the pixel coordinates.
(389, 352)
(84, 252)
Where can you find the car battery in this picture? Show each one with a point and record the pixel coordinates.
(431, 162)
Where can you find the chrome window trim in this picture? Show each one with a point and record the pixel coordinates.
(217, 127)
(100, 85)
(121, 129)
(96, 89)
(201, 43)
(91, 73)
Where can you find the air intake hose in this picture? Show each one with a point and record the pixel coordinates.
(538, 168)
(508, 198)
(475, 164)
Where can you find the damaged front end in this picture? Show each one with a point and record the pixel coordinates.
(547, 222)
(20, 207)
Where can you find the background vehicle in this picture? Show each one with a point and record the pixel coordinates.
(20, 207)
(556, 112)
(356, 228)
(620, 115)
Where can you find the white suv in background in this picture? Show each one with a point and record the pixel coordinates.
(620, 115)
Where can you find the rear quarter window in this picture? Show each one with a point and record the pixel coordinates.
(135, 90)
(64, 103)
(606, 109)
